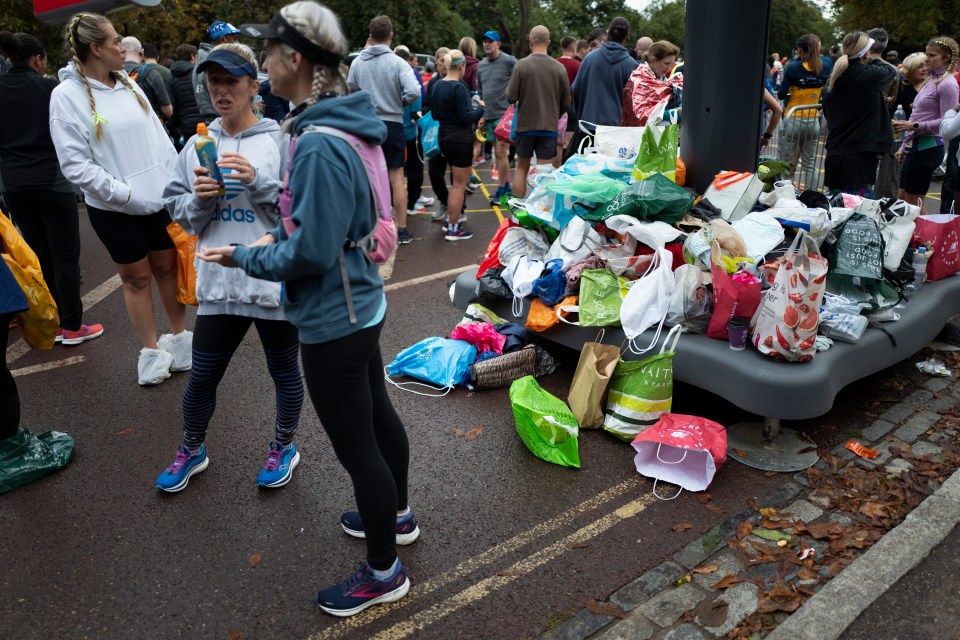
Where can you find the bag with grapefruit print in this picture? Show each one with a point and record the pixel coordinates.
(785, 324)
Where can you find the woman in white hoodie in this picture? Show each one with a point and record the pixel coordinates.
(111, 145)
(230, 301)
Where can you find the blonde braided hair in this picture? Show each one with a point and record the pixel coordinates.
(82, 31)
(947, 44)
(318, 23)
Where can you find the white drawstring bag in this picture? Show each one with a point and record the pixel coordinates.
(577, 241)
(648, 301)
(519, 276)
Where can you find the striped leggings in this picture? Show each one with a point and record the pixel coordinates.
(215, 339)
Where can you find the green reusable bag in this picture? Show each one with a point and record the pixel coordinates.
(640, 391)
(601, 294)
(592, 187)
(545, 423)
(26, 457)
(653, 198)
(658, 152)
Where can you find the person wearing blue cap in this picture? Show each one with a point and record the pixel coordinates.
(493, 76)
(219, 32)
(231, 301)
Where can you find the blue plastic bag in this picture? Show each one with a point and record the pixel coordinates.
(551, 284)
(429, 136)
(439, 361)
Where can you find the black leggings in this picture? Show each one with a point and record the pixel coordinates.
(414, 167)
(437, 168)
(215, 339)
(345, 382)
(9, 398)
(51, 226)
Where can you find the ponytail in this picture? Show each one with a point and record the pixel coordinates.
(811, 43)
(852, 44)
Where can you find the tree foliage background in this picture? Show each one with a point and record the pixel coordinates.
(910, 24)
(425, 25)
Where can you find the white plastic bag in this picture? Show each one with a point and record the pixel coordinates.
(690, 304)
(519, 276)
(648, 301)
(619, 142)
(518, 241)
(577, 241)
(654, 234)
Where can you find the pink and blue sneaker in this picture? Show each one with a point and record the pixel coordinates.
(278, 468)
(407, 529)
(185, 465)
(363, 590)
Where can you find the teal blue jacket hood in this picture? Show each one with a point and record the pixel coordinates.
(331, 204)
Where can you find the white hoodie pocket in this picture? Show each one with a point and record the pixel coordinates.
(146, 189)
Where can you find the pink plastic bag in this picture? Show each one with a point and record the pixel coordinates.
(482, 335)
(681, 449)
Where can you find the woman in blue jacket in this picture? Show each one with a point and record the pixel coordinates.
(339, 342)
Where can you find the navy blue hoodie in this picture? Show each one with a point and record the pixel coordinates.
(331, 202)
(598, 88)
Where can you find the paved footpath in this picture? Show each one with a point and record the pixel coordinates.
(707, 589)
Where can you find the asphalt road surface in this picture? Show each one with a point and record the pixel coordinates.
(510, 545)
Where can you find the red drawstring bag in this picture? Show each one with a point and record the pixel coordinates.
(491, 258)
(682, 450)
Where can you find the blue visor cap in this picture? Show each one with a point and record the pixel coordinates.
(219, 29)
(232, 63)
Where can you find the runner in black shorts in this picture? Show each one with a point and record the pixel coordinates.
(111, 145)
(452, 108)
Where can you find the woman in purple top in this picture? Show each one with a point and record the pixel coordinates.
(922, 149)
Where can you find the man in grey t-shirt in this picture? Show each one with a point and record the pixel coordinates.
(493, 76)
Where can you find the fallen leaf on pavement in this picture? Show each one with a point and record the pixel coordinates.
(769, 512)
(577, 545)
(458, 432)
(473, 433)
(605, 609)
(254, 560)
(709, 568)
(768, 534)
(713, 508)
(727, 581)
(741, 453)
(124, 432)
(743, 530)
(682, 527)
(235, 634)
(704, 498)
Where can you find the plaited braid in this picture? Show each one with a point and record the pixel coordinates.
(72, 50)
(123, 79)
(947, 44)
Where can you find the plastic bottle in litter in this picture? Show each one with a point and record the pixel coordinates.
(899, 114)
(207, 153)
(919, 267)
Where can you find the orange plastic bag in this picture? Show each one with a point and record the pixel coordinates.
(541, 317)
(681, 171)
(186, 270)
(39, 323)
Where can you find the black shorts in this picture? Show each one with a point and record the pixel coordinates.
(129, 238)
(917, 170)
(394, 146)
(456, 150)
(544, 147)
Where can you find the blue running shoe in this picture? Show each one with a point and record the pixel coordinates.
(362, 590)
(177, 475)
(407, 529)
(278, 469)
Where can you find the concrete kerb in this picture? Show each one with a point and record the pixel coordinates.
(870, 575)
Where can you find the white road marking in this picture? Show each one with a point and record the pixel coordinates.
(433, 276)
(46, 366)
(475, 564)
(19, 348)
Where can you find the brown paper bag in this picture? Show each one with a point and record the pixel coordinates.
(588, 391)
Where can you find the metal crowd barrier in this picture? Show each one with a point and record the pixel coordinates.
(802, 128)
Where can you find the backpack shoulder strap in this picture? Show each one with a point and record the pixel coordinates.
(365, 243)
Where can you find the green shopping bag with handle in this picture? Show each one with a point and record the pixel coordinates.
(658, 152)
(545, 423)
(601, 296)
(640, 391)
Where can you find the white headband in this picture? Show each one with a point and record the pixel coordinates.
(865, 49)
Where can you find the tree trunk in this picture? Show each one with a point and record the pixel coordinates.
(522, 48)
